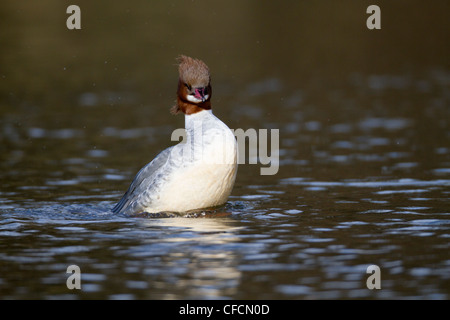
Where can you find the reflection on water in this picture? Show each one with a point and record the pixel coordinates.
(202, 256)
(364, 173)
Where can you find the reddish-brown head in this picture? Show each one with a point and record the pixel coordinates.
(194, 86)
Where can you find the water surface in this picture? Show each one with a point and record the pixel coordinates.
(364, 168)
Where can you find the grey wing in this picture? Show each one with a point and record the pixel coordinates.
(137, 187)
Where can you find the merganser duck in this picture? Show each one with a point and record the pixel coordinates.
(198, 172)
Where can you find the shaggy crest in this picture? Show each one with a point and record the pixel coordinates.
(193, 72)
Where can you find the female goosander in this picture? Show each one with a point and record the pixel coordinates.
(198, 172)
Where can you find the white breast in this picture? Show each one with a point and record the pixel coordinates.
(201, 171)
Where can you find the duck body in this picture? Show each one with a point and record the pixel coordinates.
(199, 172)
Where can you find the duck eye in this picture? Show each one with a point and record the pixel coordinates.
(188, 86)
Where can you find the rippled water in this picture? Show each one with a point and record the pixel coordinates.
(364, 168)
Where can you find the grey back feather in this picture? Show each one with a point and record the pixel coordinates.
(139, 189)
